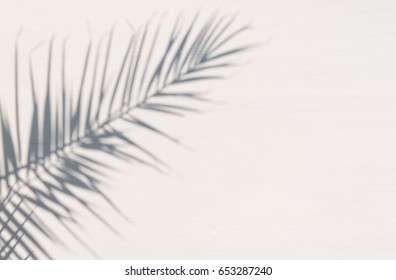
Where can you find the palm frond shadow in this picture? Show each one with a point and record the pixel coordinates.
(65, 136)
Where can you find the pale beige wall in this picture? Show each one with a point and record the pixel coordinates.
(296, 161)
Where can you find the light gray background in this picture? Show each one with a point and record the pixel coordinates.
(298, 158)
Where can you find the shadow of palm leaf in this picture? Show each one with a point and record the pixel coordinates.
(65, 136)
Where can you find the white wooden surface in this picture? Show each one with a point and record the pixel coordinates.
(298, 160)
